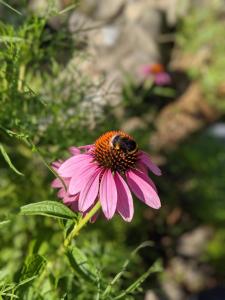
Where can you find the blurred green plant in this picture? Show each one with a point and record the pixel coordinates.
(201, 34)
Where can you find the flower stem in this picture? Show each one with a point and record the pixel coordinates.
(81, 224)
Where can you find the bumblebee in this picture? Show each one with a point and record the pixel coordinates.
(116, 150)
(124, 143)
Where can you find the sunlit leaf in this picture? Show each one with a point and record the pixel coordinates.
(48, 208)
(4, 223)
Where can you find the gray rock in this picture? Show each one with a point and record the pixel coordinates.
(123, 43)
(217, 130)
(186, 273)
(193, 243)
(150, 295)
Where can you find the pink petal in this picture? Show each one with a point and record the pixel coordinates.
(95, 216)
(142, 167)
(74, 150)
(56, 164)
(90, 191)
(145, 70)
(145, 177)
(56, 183)
(108, 194)
(73, 205)
(142, 189)
(68, 168)
(162, 78)
(81, 177)
(86, 147)
(125, 201)
(68, 199)
(145, 159)
(62, 193)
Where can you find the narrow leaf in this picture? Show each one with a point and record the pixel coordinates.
(33, 266)
(4, 223)
(155, 268)
(11, 39)
(48, 208)
(8, 160)
(10, 7)
(125, 265)
(81, 265)
(25, 281)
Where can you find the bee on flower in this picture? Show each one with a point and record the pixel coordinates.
(109, 171)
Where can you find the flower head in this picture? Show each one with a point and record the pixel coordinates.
(157, 73)
(108, 170)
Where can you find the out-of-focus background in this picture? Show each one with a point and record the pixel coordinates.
(70, 71)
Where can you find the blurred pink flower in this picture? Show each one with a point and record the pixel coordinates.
(156, 72)
(107, 170)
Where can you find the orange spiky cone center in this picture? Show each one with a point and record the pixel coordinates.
(116, 150)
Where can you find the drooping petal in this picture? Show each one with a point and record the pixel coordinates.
(56, 164)
(62, 193)
(73, 205)
(142, 167)
(125, 205)
(145, 177)
(108, 194)
(86, 147)
(68, 199)
(74, 150)
(142, 189)
(145, 159)
(81, 177)
(68, 168)
(89, 192)
(95, 216)
(56, 183)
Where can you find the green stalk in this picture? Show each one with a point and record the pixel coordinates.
(22, 70)
(81, 224)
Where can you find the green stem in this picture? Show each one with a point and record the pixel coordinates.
(21, 77)
(81, 224)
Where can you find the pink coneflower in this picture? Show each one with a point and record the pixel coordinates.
(156, 72)
(108, 170)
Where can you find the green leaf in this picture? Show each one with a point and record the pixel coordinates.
(34, 265)
(125, 265)
(10, 7)
(48, 208)
(4, 223)
(81, 265)
(8, 160)
(155, 268)
(11, 39)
